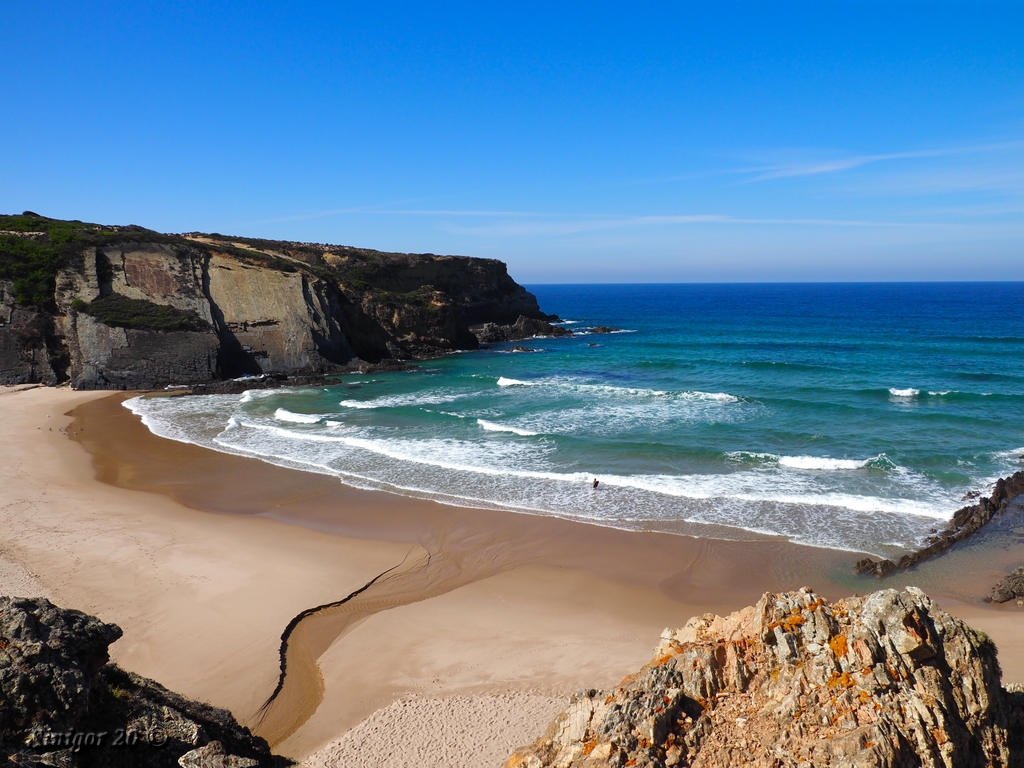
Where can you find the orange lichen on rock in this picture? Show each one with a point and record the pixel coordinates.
(841, 680)
(838, 645)
(769, 700)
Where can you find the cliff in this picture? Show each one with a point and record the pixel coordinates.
(125, 307)
(884, 680)
(64, 705)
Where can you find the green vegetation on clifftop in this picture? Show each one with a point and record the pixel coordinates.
(32, 262)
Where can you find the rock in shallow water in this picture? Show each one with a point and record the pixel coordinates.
(886, 680)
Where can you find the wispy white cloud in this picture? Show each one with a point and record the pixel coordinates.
(579, 225)
(504, 223)
(1000, 180)
(817, 167)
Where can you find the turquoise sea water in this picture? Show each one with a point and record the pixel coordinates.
(851, 416)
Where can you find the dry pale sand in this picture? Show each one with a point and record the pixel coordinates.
(461, 653)
(442, 731)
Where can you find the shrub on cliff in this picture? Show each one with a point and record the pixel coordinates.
(121, 312)
(32, 261)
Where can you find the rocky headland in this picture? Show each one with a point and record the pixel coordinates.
(115, 307)
(884, 680)
(63, 704)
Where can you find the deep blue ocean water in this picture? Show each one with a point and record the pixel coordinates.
(851, 416)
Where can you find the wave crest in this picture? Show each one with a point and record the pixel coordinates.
(570, 384)
(908, 392)
(881, 461)
(296, 418)
(490, 426)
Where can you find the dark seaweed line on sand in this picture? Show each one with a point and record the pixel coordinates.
(261, 713)
(965, 523)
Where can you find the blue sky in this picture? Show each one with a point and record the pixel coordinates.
(578, 143)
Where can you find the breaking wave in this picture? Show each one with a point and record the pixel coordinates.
(490, 426)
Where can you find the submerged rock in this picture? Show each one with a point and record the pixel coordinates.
(63, 704)
(885, 680)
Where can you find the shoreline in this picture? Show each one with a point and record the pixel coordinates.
(523, 605)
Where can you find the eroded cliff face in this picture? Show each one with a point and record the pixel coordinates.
(884, 680)
(25, 342)
(275, 322)
(136, 309)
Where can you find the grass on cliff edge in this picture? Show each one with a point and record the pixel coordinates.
(32, 263)
(121, 312)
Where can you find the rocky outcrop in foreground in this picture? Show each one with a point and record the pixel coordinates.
(62, 703)
(965, 523)
(885, 680)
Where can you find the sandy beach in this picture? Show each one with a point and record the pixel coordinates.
(474, 625)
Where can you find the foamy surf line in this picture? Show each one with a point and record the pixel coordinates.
(723, 488)
(569, 384)
(726, 501)
(369, 483)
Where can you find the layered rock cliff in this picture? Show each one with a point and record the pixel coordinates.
(62, 703)
(124, 307)
(884, 680)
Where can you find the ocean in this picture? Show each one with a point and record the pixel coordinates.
(849, 416)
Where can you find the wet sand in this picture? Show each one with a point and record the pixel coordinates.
(481, 604)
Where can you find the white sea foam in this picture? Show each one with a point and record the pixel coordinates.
(403, 401)
(747, 456)
(254, 394)
(909, 392)
(943, 393)
(818, 462)
(296, 418)
(568, 383)
(1013, 455)
(881, 461)
(490, 426)
(505, 382)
